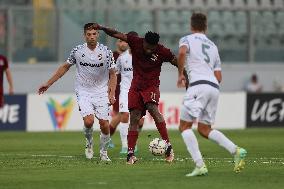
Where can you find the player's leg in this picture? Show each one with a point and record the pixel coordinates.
(161, 126)
(190, 112)
(218, 137)
(192, 146)
(124, 118)
(87, 112)
(102, 112)
(88, 131)
(135, 116)
(113, 125)
(115, 116)
(114, 122)
(104, 139)
(204, 128)
(137, 110)
(123, 130)
(141, 123)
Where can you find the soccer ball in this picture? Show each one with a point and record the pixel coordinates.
(157, 147)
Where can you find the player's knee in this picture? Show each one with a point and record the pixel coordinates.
(124, 117)
(203, 130)
(104, 126)
(184, 125)
(182, 128)
(88, 123)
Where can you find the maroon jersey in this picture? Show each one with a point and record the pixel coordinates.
(147, 68)
(3, 67)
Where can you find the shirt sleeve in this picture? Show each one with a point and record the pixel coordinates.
(110, 60)
(217, 63)
(168, 55)
(132, 40)
(118, 65)
(71, 59)
(183, 42)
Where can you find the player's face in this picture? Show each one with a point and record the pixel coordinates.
(148, 48)
(91, 37)
(121, 45)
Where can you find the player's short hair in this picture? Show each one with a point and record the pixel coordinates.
(152, 38)
(89, 26)
(199, 21)
(134, 33)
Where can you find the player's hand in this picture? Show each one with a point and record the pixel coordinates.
(11, 90)
(111, 99)
(43, 88)
(98, 27)
(181, 83)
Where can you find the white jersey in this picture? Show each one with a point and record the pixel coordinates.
(124, 67)
(92, 68)
(202, 58)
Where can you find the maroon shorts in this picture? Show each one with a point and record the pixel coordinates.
(137, 98)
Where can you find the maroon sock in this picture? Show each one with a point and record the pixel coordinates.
(132, 139)
(163, 131)
(111, 130)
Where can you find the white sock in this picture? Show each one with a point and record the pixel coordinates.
(104, 141)
(191, 143)
(123, 130)
(222, 140)
(89, 134)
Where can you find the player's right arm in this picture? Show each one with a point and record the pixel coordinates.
(113, 33)
(57, 74)
(181, 61)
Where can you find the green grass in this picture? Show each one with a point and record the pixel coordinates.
(56, 160)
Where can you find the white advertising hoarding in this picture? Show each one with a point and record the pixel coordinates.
(59, 112)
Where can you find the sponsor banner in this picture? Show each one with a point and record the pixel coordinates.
(170, 104)
(59, 112)
(13, 113)
(53, 112)
(231, 111)
(265, 110)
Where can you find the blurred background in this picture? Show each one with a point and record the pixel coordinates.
(37, 35)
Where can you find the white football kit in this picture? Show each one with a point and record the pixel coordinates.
(124, 67)
(202, 59)
(92, 76)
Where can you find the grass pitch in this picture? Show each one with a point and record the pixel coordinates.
(56, 160)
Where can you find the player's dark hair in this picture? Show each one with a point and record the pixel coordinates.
(152, 38)
(134, 33)
(199, 21)
(89, 26)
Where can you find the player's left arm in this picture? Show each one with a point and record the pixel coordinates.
(10, 81)
(217, 67)
(112, 77)
(112, 85)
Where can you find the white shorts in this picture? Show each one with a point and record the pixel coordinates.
(200, 102)
(93, 105)
(123, 101)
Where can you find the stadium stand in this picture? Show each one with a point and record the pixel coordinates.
(229, 23)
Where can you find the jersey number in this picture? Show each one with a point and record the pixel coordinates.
(204, 51)
(153, 96)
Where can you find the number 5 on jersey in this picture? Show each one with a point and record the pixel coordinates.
(205, 53)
